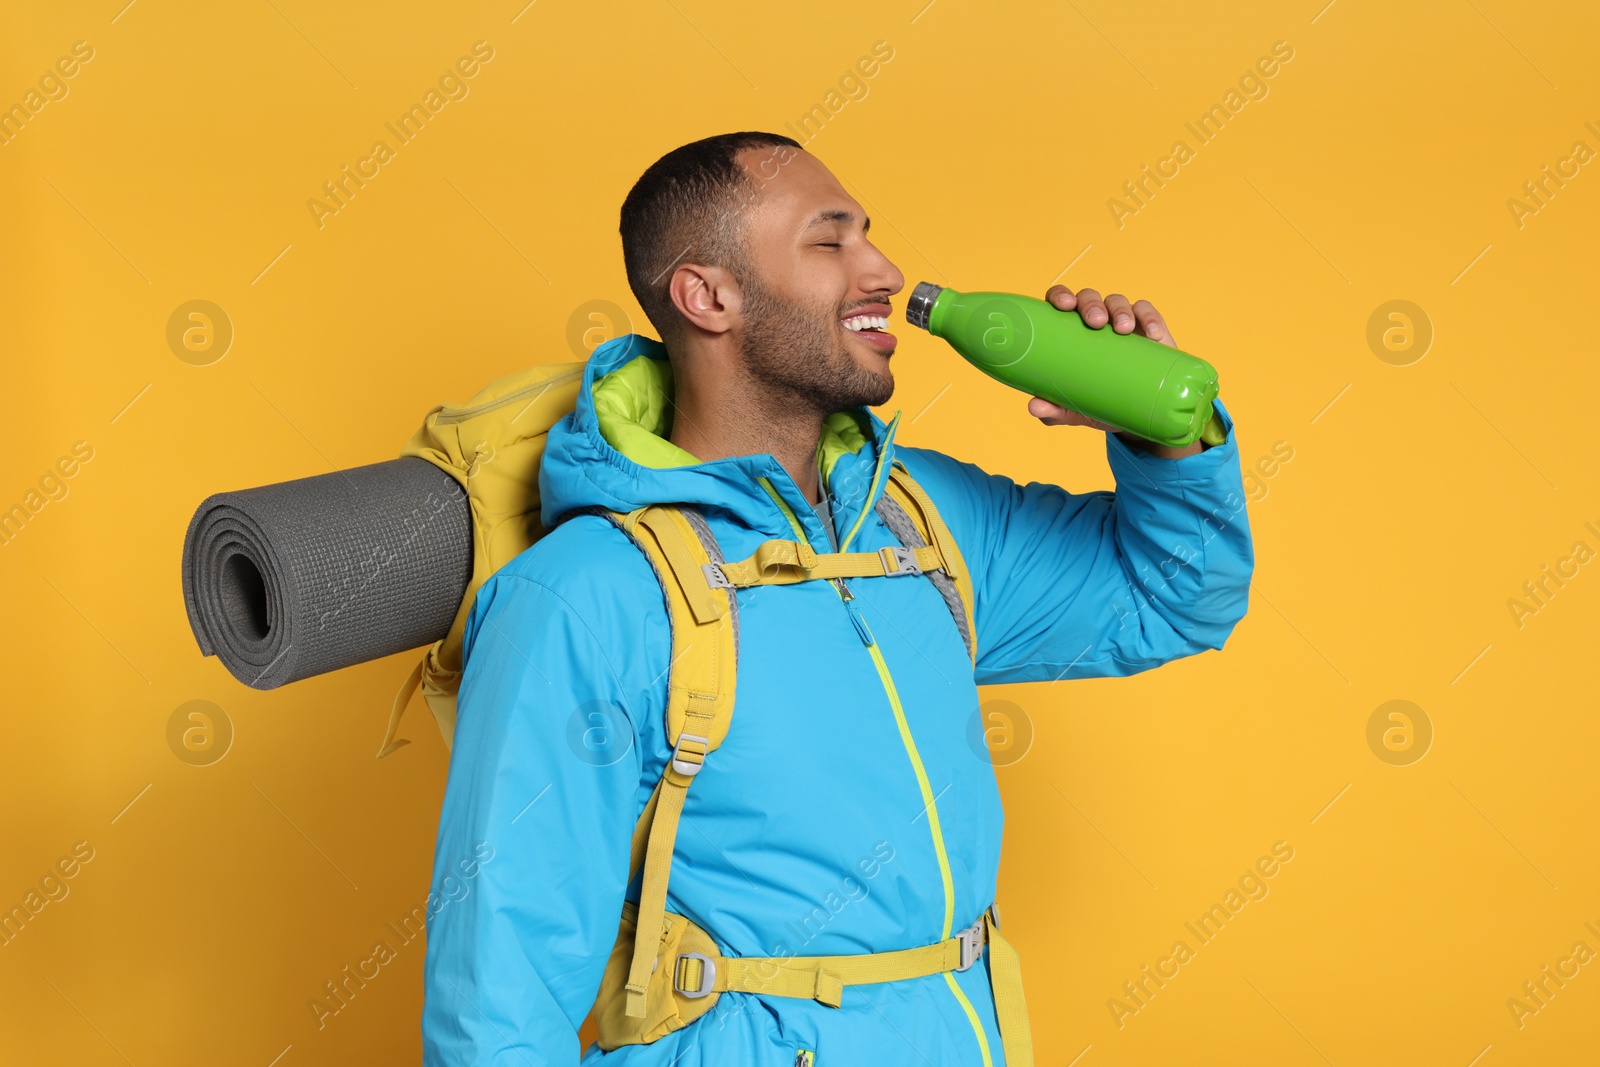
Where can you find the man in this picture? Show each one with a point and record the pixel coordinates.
(847, 811)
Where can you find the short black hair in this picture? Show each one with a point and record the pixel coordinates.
(686, 208)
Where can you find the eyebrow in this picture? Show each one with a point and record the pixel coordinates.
(839, 215)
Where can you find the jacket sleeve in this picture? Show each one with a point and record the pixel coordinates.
(532, 856)
(1083, 585)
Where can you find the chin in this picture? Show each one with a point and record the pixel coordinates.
(871, 381)
(878, 397)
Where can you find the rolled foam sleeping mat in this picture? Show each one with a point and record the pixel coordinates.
(286, 581)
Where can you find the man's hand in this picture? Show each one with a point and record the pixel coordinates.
(1139, 317)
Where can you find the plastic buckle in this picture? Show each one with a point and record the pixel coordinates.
(903, 558)
(683, 766)
(714, 576)
(971, 944)
(708, 975)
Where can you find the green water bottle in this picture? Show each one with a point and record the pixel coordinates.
(1126, 380)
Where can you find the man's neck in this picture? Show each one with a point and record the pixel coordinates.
(719, 412)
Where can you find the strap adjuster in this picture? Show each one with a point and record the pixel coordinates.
(708, 975)
(971, 944)
(686, 767)
(714, 576)
(898, 560)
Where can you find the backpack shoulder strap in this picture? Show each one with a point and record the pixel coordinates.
(915, 503)
(700, 691)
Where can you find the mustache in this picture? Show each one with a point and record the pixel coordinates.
(868, 303)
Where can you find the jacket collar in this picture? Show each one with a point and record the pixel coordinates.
(612, 451)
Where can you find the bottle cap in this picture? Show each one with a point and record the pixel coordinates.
(921, 303)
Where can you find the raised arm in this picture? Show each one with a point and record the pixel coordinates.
(1080, 585)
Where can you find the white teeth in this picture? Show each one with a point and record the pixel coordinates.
(865, 322)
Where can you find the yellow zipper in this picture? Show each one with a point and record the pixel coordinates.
(449, 414)
(930, 804)
(872, 490)
(931, 807)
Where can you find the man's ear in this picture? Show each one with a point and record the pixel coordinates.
(707, 296)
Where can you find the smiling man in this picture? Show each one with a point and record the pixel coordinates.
(834, 865)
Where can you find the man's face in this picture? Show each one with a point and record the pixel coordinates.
(810, 271)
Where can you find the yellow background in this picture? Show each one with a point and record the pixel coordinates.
(1418, 500)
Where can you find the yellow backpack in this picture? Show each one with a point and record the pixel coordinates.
(492, 445)
(664, 971)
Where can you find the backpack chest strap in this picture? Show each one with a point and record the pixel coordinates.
(780, 562)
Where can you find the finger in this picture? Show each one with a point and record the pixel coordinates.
(1061, 297)
(1047, 411)
(1121, 313)
(1151, 324)
(1052, 414)
(1092, 308)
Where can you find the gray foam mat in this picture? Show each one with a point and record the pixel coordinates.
(291, 580)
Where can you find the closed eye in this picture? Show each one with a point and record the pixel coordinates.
(829, 244)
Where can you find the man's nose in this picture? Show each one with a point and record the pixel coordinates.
(882, 275)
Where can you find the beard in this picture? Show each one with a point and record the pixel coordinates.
(794, 349)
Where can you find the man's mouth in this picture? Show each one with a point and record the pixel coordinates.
(872, 328)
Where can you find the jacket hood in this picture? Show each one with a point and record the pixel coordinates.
(612, 450)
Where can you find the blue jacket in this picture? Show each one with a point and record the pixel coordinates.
(810, 831)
